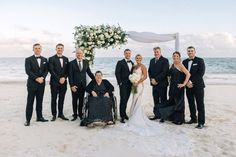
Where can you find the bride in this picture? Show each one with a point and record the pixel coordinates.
(139, 122)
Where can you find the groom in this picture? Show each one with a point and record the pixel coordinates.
(122, 72)
(195, 87)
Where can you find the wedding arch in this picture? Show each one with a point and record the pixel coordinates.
(89, 38)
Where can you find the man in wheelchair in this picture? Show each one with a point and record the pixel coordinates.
(99, 107)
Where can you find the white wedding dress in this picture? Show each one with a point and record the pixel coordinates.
(139, 121)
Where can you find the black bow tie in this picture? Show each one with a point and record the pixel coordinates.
(190, 59)
(39, 57)
(59, 56)
(129, 61)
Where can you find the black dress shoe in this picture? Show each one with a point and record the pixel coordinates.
(53, 118)
(27, 123)
(154, 118)
(74, 119)
(162, 120)
(122, 120)
(126, 117)
(199, 126)
(191, 121)
(177, 123)
(63, 117)
(41, 120)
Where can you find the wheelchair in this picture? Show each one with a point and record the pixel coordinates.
(86, 107)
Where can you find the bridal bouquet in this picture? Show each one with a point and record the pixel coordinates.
(102, 36)
(134, 78)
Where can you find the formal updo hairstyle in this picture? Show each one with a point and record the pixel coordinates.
(178, 53)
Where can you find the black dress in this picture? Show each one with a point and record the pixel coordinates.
(100, 107)
(174, 108)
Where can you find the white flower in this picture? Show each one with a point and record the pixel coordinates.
(134, 78)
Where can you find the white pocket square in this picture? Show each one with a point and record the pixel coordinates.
(44, 62)
(195, 64)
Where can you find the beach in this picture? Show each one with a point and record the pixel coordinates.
(68, 139)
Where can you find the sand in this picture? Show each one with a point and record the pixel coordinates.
(68, 139)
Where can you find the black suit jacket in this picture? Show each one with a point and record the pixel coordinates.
(197, 71)
(107, 84)
(33, 70)
(56, 70)
(122, 72)
(76, 77)
(159, 71)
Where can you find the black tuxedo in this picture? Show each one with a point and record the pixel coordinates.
(57, 71)
(35, 89)
(197, 92)
(122, 73)
(78, 78)
(158, 70)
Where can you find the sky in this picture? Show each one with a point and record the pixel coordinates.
(209, 25)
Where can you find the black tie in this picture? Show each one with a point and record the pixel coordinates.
(129, 61)
(39, 57)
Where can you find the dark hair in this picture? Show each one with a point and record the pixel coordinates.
(60, 44)
(36, 44)
(156, 48)
(176, 52)
(191, 47)
(126, 50)
(97, 72)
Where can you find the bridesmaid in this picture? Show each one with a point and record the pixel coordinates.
(179, 76)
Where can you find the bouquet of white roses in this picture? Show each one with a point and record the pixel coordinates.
(134, 78)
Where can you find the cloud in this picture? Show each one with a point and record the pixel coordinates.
(19, 43)
(211, 44)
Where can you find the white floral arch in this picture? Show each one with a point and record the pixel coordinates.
(90, 38)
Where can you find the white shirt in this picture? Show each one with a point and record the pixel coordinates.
(61, 60)
(81, 63)
(129, 65)
(38, 60)
(190, 65)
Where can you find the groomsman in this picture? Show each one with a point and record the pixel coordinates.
(58, 68)
(122, 72)
(195, 87)
(158, 69)
(36, 68)
(78, 68)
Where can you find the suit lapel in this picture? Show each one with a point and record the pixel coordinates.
(126, 65)
(58, 62)
(76, 64)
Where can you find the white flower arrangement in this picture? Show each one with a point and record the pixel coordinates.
(134, 78)
(102, 36)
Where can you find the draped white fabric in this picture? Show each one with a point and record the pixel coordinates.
(149, 37)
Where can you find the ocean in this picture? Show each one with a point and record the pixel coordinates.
(218, 70)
